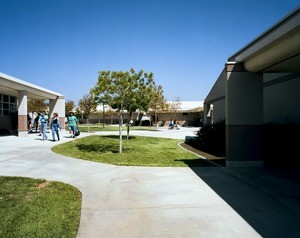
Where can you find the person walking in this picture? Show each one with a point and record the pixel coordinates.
(36, 123)
(28, 122)
(72, 123)
(43, 121)
(171, 124)
(55, 126)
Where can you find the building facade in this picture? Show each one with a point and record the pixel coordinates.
(259, 85)
(13, 103)
(189, 113)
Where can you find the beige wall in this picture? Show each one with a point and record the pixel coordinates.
(218, 111)
(191, 118)
(281, 98)
(58, 106)
(244, 99)
(244, 117)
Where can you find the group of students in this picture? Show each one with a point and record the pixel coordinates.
(42, 122)
(174, 124)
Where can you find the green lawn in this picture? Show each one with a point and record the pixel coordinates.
(38, 208)
(99, 127)
(137, 151)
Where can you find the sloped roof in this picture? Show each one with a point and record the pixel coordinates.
(217, 92)
(189, 106)
(275, 50)
(11, 85)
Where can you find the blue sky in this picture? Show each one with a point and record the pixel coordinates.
(62, 44)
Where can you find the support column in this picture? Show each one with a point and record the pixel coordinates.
(206, 110)
(244, 117)
(22, 114)
(58, 105)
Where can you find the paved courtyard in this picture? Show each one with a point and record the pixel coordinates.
(142, 202)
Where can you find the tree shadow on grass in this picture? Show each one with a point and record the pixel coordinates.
(117, 137)
(104, 148)
(98, 148)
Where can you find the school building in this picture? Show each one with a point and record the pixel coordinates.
(13, 104)
(259, 88)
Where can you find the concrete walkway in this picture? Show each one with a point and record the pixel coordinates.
(142, 202)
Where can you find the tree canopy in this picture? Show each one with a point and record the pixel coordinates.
(175, 106)
(69, 106)
(158, 101)
(36, 105)
(87, 104)
(129, 90)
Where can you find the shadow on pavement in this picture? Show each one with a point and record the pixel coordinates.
(267, 198)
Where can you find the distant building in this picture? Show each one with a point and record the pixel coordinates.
(13, 103)
(189, 113)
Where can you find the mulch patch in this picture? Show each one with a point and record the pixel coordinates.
(221, 161)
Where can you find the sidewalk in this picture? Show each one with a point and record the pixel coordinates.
(142, 202)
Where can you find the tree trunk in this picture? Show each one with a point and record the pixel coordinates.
(129, 124)
(155, 120)
(103, 116)
(120, 133)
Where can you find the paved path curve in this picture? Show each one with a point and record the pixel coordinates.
(135, 202)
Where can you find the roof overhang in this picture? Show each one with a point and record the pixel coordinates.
(217, 92)
(11, 86)
(275, 50)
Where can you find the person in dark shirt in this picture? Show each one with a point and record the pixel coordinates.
(55, 126)
(36, 123)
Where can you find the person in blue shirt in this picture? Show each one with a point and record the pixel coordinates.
(43, 121)
(171, 124)
(72, 123)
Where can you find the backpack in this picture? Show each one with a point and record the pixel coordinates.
(44, 119)
(77, 133)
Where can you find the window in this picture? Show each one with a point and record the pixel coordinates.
(5, 98)
(7, 105)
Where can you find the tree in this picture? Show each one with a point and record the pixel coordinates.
(36, 105)
(158, 101)
(124, 90)
(70, 105)
(175, 105)
(86, 105)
